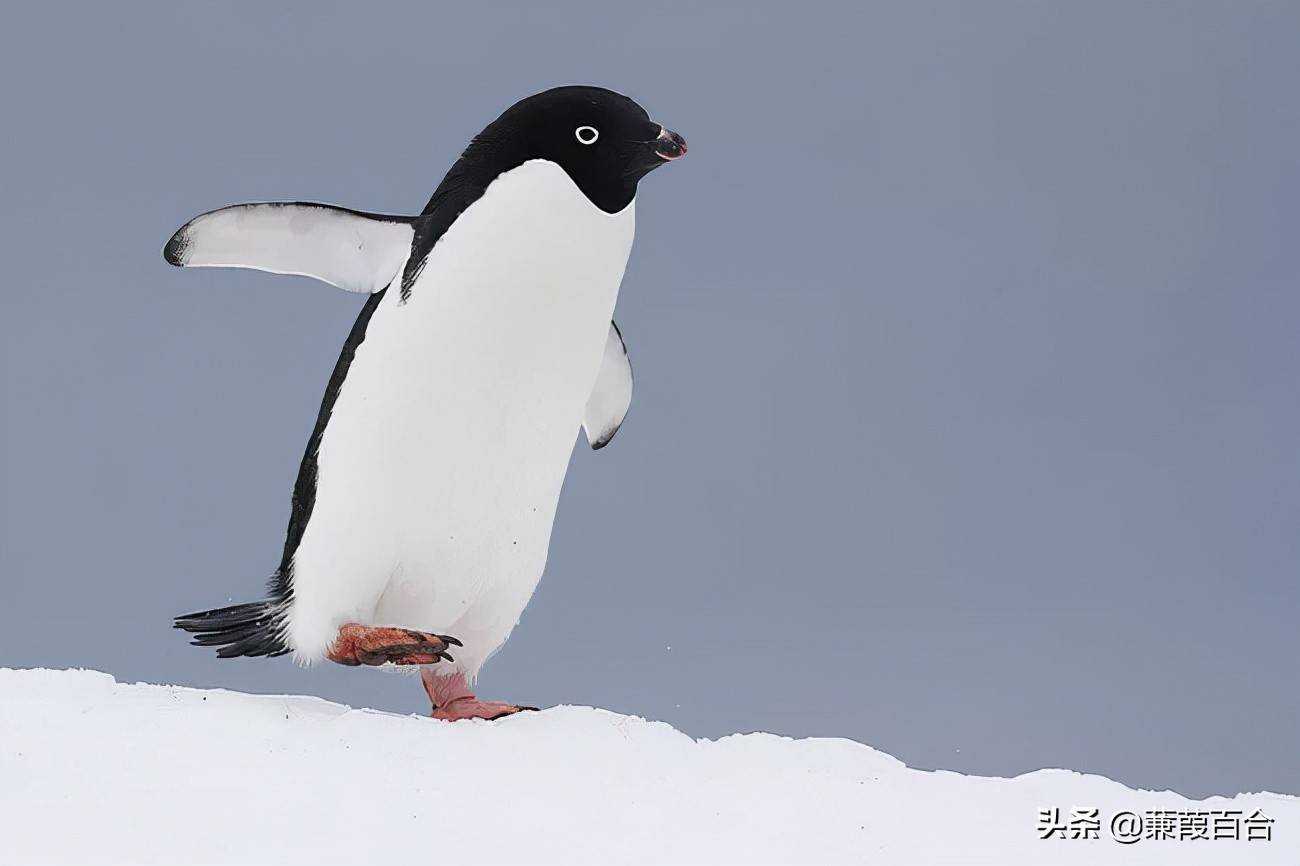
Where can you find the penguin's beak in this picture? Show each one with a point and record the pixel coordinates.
(649, 154)
(669, 145)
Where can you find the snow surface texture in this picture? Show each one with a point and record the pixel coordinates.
(94, 771)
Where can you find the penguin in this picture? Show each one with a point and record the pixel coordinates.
(422, 511)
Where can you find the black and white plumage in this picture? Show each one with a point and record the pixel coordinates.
(427, 492)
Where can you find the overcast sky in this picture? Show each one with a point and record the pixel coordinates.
(966, 412)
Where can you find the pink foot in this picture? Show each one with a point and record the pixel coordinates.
(358, 644)
(473, 708)
(453, 699)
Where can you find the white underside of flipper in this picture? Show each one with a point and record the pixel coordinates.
(355, 251)
(440, 468)
(611, 396)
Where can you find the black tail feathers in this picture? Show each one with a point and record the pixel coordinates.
(254, 629)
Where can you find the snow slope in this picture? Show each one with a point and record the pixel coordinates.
(94, 771)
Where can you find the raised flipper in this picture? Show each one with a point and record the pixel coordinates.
(358, 252)
(612, 395)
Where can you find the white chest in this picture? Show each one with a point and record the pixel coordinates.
(478, 380)
(441, 466)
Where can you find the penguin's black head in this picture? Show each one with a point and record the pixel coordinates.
(602, 139)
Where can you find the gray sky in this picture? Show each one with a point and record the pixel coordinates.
(966, 409)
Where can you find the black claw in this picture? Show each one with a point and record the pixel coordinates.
(446, 657)
(446, 638)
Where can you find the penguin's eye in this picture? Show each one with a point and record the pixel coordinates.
(587, 134)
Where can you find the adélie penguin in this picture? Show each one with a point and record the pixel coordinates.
(423, 507)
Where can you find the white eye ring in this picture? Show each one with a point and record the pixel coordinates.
(587, 134)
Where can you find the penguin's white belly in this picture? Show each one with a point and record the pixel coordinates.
(441, 465)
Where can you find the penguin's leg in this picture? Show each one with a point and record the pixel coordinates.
(373, 645)
(453, 699)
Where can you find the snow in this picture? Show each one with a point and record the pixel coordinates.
(96, 771)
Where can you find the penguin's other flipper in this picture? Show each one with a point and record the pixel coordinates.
(612, 395)
(358, 252)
